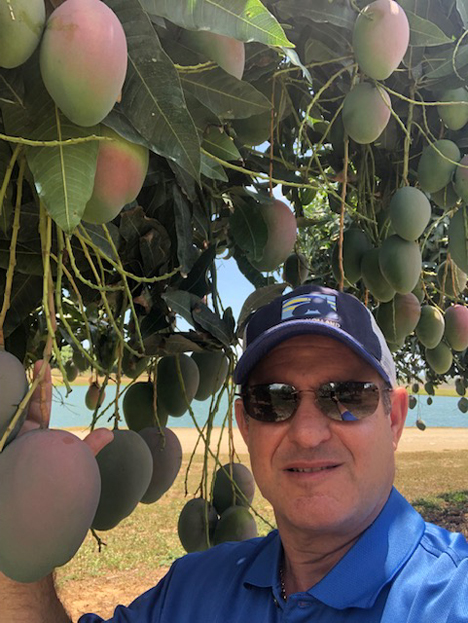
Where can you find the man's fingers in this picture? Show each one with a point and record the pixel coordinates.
(41, 400)
(98, 439)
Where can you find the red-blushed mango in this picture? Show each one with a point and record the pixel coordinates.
(225, 51)
(83, 60)
(21, 26)
(126, 468)
(233, 485)
(452, 280)
(439, 358)
(410, 211)
(366, 112)
(282, 232)
(172, 396)
(213, 367)
(13, 388)
(458, 238)
(120, 172)
(373, 279)
(94, 397)
(431, 326)
(139, 408)
(355, 245)
(400, 262)
(456, 327)
(380, 38)
(295, 269)
(461, 179)
(235, 524)
(399, 318)
(437, 165)
(455, 116)
(196, 525)
(446, 197)
(167, 458)
(48, 497)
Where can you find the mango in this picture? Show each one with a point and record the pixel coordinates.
(120, 172)
(166, 451)
(380, 38)
(139, 408)
(235, 524)
(13, 388)
(295, 269)
(373, 279)
(455, 116)
(170, 391)
(437, 165)
(83, 60)
(366, 112)
(233, 485)
(213, 368)
(133, 366)
(126, 468)
(94, 397)
(48, 497)
(456, 327)
(458, 238)
(410, 212)
(225, 51)
(355, 245)
(400, 262)
(21, 26)
(398, 318)
(439, 358)
(282, 232)
(461, 179)
(431, 326)
(196, 525)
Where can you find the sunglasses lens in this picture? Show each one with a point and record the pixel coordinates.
(339, 400)
(275, 402)
(345, 401)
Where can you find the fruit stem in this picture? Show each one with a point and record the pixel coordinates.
(8, 172)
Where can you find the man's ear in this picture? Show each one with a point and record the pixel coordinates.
(242, 420)
(398, 413)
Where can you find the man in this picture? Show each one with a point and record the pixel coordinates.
(321, 416)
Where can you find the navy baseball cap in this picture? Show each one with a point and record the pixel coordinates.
(315, 310)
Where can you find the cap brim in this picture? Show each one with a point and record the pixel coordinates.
(264, 343)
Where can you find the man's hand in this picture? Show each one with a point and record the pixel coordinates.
(40, 408)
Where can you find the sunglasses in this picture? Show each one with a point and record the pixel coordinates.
(344, 401)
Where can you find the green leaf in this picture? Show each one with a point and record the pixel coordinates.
(226, 96)
(181, 303)
(152, 97)
(249, 229)
(257, 299)
(212, 169)
(183, 222)
(462, 8)
(26, 295)
(337, 12)
(441, 64)
(218, 143)
(425, 33)
(245, 20)
(213, 324)
(63, 175)
(197, 280)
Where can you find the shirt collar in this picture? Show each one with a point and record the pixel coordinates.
(357, 579)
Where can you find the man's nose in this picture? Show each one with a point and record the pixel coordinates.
(309, 427)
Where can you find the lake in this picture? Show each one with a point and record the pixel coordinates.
(71, 411)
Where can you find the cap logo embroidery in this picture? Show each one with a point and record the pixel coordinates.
(320, 307)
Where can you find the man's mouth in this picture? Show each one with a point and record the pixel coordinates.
(310, 470)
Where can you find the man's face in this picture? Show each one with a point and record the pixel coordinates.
(352, 462)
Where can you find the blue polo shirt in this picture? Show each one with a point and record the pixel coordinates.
(401, 570)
